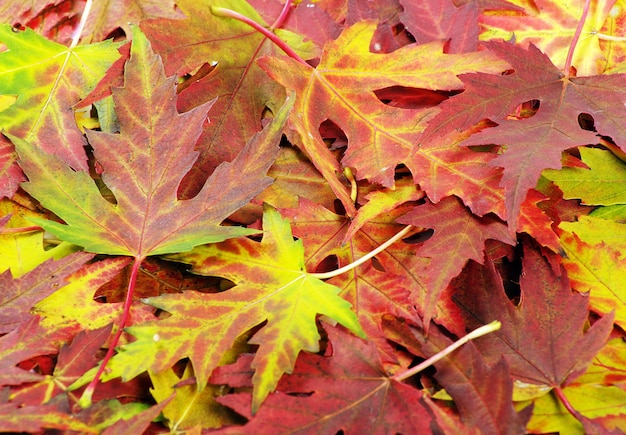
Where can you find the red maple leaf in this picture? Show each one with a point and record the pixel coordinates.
(348, 391)
(482, 393)
(459, 237)
(533, 143)
(543, 337)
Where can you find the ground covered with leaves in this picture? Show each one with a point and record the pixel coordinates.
(257, 217)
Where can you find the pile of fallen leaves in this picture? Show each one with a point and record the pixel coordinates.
(258, 217)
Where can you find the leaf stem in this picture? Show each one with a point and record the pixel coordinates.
(572, 46)
(283, 16)
(346, 268)
(605, 37)
(559, 393)
(229, 13)
(85, 399)
(81, 24)
(20, 230)
(479, 332)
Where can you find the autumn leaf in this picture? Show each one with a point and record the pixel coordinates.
(19, 295)
(22, 252)
(341, 89)
(595, 230)
(143, 166)
(457, 22)
(271, 285)
(10, 173)
(13, 416)
(386, 284)
(523, 334)
(459, 238)
(58, 317)
(346, 391)
(227, 72)
(428, 167)
(74, 359)
(536, 142)
(599, 270)
(47, 79)
(106, 16)
(20, 11)
(186, 407)
(603, 183)
(482, 393)
(550, 25)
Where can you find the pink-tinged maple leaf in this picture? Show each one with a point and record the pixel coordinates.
(19, 295)
(481, 393)
(143, 167)
(306, 17)
(543, 338)
(454, 21)
(272, 286)
(458, 238)
(108, 15)
(341, 89)
(551, 24)
(20, 13)
(533, 143)
(346, 391)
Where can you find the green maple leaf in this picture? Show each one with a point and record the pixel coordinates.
(143, 166)
(602, 184)
(271, 285)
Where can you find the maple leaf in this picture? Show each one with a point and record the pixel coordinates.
(48, 79)
(458, 238)
(19, 295)
(482, 393)
(10, 173)
(187, 407)
(456, 22)
(21, 12)
(550, 25)
(13, 416)
(271, 285)
(295, 177)
(603, 183)
(72, 306)
(341, 89)
(107, 16)
(535, 143)
(58, 317)
(227, 71)
(524, 334)
(143, 166)
(442, 168)
(73, 360)
(138, 423)
(347, 391)
(599, 270)
(595, 230)
(386, 284)
(22, 251)
(593, 409)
